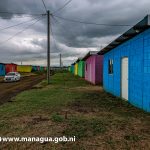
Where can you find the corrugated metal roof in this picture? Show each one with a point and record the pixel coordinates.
(89, 54)
(135, 30)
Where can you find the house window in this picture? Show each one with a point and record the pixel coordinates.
(110, 66)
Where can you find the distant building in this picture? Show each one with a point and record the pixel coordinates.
(76, 68)
(69, 68)
(41, 68)
(45, 68)
(2, 69)
(24, 68)
(81, 67)
(93, 67)
(38, 68)
(10, 68)
(72, 68)
(34, 68)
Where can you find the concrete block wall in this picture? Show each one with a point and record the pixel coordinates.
(137, 50)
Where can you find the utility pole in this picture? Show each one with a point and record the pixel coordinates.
(48, 47)
(60, 61)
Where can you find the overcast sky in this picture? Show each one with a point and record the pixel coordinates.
(73, 40)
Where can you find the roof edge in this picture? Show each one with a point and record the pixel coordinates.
(90, 53)
(140, 27)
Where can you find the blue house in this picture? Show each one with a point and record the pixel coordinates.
(34, 68)
(126, 70)
(72, 68)
(2, 69)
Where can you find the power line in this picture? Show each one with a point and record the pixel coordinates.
(63, 27)
(20, 32)
(18, 13)
(17, 24)
(90, 23)
(59, 9)
(53, 34)
(44, 5)
(16, 17)
(54, 38)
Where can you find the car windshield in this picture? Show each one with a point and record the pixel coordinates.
(10, 74)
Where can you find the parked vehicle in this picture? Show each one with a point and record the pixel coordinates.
(12, 76)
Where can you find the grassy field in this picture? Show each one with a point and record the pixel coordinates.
(72, 107)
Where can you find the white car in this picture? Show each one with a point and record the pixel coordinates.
(12, 76)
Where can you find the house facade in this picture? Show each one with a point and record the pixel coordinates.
(76, 68)
(38, 68)
(10, 68)
(24, 68)
(69, 68)
(93, 67)
(2, 69)
(41, 68)
(45, 68)
(81, 68)
(126, 72)
(34, 68)
(72, 68)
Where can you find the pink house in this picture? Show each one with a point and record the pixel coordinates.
(93, 67)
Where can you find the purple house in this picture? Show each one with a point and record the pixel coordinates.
(93, 67)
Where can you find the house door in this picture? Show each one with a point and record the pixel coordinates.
(124, 78)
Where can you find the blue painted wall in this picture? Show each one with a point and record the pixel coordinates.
(2, 69)
(137, 50)
(72, 69)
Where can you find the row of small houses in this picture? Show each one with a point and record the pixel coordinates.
(123, 66)
(5, 68)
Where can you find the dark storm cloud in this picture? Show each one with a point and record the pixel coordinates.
(19, 6)
(107, 12)
(72, 39)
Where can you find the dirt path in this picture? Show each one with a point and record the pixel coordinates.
(9, 90)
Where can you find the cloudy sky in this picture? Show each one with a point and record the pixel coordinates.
(71, 39)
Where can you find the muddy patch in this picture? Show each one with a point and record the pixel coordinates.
(9, 90)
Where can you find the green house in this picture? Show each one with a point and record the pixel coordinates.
(41, 68)
(81, 68)
(69, 69)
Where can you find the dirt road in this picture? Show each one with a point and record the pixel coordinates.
(9, 90)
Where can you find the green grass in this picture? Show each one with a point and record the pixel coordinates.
(70, 106)
(50, 98)
(57, 118)
(83, 127)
